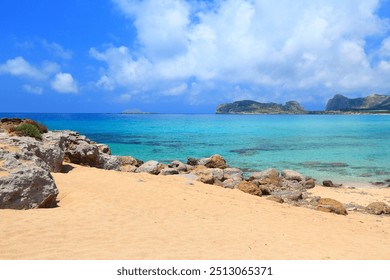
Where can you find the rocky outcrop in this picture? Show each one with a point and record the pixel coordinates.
(26, 162)
(253, 107)
(372, 102)
(332, 206)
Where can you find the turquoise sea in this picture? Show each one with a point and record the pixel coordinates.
(352, 148)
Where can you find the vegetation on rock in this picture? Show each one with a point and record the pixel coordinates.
(27, 129)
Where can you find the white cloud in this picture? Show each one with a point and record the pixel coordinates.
(33, 89)
(385, 47)
(57, 50)
(280, 45)
(20, 67)
(64, 83)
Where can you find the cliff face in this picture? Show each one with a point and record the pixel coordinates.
(371, 102)
(253, 107)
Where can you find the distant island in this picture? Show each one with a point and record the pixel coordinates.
(373, 102)
(135, 112)
(253, 107)
(339, 104)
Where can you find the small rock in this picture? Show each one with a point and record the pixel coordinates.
(378, 208)
(310, 183)
(103, 148)
(292, 175)
(229, 173)
(328, 183)
(271, 173)
(229, 184)
(169, 171)
(192, 161)
(128, 160)
(204, 175)
(265, 189)
(249, 187)
(332, 206)
(216, 161)
(178, 165)
(276, 199)
(151, 167)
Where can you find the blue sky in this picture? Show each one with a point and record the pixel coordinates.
(176, 56)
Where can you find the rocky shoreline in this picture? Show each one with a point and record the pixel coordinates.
(26, 163)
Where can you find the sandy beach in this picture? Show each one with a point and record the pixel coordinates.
(114, 215)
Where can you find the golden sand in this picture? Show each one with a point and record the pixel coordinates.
(112, 215)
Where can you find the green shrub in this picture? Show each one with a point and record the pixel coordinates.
(27, 129)
(41, 127)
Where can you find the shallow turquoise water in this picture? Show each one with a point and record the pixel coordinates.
(339, 147)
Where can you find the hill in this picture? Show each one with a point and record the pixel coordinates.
(373, 102)
(253, 107)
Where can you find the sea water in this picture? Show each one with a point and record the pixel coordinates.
(344, 148)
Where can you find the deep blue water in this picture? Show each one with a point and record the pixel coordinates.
(339, 147)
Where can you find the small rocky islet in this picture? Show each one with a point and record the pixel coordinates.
(339, 104)
(26, 164)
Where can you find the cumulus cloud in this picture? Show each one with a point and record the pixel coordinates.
(64, 83)
(279, 45)
(47, 73)
(18, 66)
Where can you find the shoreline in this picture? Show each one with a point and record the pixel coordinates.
(89, 204)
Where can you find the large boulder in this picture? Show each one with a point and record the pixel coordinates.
(25, 181)
(28, 187)
(332, 206)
